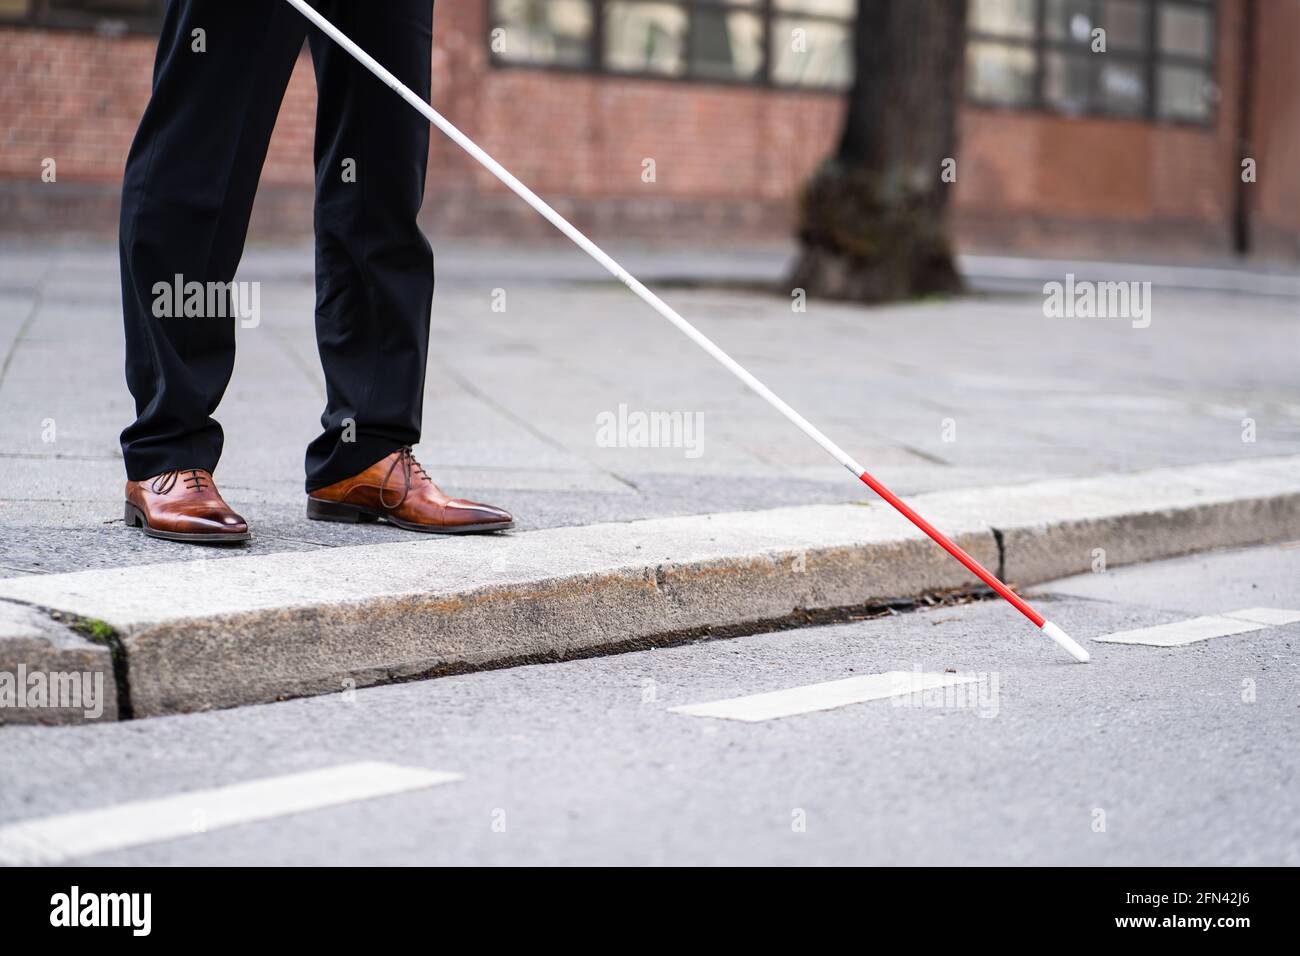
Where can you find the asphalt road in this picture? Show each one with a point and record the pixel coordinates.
(1151, 755)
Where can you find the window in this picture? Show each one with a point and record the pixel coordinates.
(794, 43)
(1150, 59)
(103, 16)
(551, 34)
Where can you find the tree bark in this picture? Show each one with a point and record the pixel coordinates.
(873, 217)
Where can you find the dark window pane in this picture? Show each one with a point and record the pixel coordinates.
(1123, 88)
(1186, 93)
(1126, 24)
(1185, 30)
(998, 73)
(1067, 82)
(811, 53)
(1070, 21)
(1012, 18)
(645, 37)
(552, 32)
(726, 44)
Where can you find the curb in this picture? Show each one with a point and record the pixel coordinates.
(43, 662)
(221, 633)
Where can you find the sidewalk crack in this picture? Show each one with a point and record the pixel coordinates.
(100, 632)
(1002, 554)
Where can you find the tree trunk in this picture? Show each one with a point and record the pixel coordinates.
(872, 219)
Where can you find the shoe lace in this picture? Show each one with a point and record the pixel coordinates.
(194, 479)
(411, 471)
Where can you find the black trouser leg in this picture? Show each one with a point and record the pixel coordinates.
(186, 197)
(374, 268)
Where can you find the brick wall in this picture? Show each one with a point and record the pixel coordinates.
(728, 160)
(1275, 130)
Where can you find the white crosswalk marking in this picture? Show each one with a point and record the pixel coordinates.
(1274, 616)
(824, 696)
(1192, 630)
(57, 838)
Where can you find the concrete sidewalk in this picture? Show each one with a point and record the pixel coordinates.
(932, 396)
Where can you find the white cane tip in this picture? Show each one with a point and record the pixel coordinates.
(1071, 646)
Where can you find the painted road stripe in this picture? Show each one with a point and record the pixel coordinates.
(1273, 616)
(1195, 629)
(58, 838)
(825, 696)
(1180, 633)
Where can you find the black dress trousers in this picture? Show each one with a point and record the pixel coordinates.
(219, 78)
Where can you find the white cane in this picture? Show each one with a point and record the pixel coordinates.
(691, 332)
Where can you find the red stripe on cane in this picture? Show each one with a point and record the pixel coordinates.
(943, 541)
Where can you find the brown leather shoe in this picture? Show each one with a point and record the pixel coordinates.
(397, 490)
(183, 505)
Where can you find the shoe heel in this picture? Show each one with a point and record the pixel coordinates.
(319, 510)
(132, 516)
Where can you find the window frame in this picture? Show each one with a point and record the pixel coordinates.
(1149, 59)
(766, 11)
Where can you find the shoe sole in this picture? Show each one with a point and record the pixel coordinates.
(135, 518)
(318, 510)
